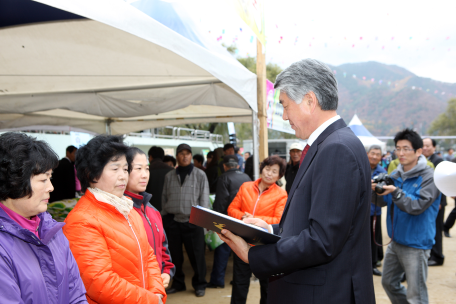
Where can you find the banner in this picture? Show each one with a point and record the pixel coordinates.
(252, 12)
(275, 110)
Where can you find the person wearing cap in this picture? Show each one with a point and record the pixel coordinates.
(293, 165)
(183, 188)
(228, 185)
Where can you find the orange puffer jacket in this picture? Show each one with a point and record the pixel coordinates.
(267, 206)
(115, 259)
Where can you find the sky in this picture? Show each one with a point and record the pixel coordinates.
(417, 35)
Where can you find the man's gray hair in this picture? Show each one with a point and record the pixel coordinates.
(309, 75)
(375, 147)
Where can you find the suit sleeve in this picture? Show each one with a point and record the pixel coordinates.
(222, 197)
(234, 209)
(102, 283)
(278, 211)
(204, 191)
(335, 183)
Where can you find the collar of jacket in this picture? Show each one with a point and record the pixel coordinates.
(47, 229)
(415, 171)
(378, 170)
(256, 185)
(139, 200)
(187, 169)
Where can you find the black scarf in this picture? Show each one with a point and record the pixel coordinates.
(184, 171)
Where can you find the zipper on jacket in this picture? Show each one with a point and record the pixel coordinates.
(254, 208)
(152, 229)
(140, 253)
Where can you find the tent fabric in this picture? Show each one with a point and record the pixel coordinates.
(125, 69)
(364, 135)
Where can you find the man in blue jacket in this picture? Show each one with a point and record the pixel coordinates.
(413, 203)
(375, 156)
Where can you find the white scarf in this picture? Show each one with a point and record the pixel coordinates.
(122, 204)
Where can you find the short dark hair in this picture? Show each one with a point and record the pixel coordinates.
(70, 149)
(410, 135)
(170, 158)
(248, 152)
(434, 143)
(199, 158)
(274, 160)
(156, 152)
(210, 154)
(93, 157)
(133, 151)
(227, 146)
(22, 157)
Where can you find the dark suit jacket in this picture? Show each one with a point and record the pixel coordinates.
(158, 169)
(324, 255)
(63, 180)
(228, 185)
(435, 160)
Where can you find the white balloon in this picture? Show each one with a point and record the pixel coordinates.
(445, 178)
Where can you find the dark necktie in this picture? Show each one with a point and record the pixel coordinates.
(304, 154)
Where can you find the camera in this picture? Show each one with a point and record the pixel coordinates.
(381, 180)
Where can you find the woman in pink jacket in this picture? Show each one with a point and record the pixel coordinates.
(137, 183)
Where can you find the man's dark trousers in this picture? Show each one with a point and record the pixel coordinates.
(377, 239)
(449, 223)
(221, 256)
(437, 250)
(241, 283)
(193, 239)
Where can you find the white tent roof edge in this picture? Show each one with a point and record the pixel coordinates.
(123, 16)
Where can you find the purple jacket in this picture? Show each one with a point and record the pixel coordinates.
(37, 271)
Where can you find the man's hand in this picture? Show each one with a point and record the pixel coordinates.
(237, 244)
(160, 298)
(246, 216)
(388, 190)
(258, 222)
(373, 185)
(166, 278)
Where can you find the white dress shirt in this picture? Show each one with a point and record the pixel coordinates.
(313, 137)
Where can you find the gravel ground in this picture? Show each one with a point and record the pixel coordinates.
(441, 280)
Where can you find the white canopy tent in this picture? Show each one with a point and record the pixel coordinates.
(119, 71)
(364, 135)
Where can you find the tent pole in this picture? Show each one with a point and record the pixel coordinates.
(255, 148)
(261, 100)
(108, 126)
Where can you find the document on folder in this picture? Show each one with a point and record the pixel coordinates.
(216, 221)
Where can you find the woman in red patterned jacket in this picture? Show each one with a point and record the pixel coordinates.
(137, 182)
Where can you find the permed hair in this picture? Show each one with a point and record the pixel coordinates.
(21, 158)
(410, 135)
(309, 75)
(93, 157)
(274, 160)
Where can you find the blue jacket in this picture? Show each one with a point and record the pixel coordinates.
(36, 270)
(416, 205)
(376, 172)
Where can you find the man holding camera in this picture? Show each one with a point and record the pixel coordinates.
(413, 203)
(375, 156)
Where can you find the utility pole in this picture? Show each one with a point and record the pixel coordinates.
(261, 100)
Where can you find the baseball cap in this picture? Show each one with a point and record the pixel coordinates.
(296, 146)
(183, 147)
(230, 159)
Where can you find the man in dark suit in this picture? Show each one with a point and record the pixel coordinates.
(324, 255)
(437, 258)
(64, 177)
(158, 169)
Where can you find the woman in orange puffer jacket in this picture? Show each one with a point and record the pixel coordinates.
(260, 199)
(107, 237)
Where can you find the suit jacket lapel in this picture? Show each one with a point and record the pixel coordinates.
(338, 124)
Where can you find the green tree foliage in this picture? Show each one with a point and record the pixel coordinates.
(445, 123)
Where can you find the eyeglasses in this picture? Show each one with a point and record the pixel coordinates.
(405, 150)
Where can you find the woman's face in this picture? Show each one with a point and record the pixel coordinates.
(114, 177)
(139, 175)
(37, 203)
(270, 174)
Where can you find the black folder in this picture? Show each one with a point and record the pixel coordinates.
(216, 221)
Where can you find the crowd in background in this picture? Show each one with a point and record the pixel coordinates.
(123, 241)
